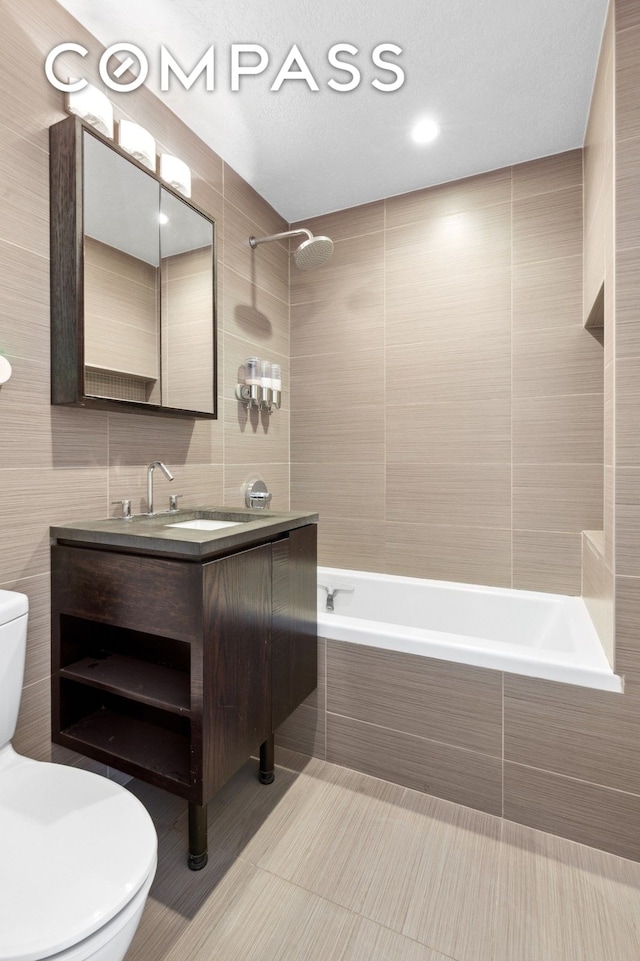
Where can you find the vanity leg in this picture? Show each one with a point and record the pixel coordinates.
(267, 761)
(197, 836)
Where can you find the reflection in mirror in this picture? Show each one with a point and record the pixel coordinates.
(121, 266)
(186, 268)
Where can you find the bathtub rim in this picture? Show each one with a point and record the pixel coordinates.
(456, 648)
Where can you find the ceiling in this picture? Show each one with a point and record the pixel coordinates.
(508, 81)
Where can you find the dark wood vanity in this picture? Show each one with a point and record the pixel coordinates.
(175, 660)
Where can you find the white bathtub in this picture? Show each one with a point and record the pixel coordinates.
(523, 632)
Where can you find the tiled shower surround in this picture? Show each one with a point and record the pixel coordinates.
(451, 418)
(447, 403)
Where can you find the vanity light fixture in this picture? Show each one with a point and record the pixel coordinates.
(94, 108)
(425, 130)
(176, 173)
(138, 142)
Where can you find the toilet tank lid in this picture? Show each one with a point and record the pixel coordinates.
(12, 605)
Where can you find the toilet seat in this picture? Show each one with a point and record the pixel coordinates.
(75, 849)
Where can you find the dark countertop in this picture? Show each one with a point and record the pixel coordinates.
(144, 534)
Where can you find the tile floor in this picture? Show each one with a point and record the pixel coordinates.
(327, 864)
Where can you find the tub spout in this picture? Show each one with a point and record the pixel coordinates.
(331, 593)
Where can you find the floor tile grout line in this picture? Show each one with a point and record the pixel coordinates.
(499, 872)
(480, 812)
(356, 914)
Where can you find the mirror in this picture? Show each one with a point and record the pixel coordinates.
(133, 281)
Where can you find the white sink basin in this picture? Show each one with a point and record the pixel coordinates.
(203, 524)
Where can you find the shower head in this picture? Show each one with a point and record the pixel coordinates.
(312, 252)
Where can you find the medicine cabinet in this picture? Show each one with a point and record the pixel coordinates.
(133, 271)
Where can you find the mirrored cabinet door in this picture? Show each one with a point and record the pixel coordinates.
(132, 282)
(186, 304)
(121, 245)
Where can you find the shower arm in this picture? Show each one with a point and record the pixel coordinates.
(254, 241)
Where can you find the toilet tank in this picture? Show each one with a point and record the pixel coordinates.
(13, 645)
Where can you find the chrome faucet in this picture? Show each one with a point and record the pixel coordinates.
(150, 469)
(332, 591)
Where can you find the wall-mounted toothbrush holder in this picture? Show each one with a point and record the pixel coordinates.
(262, 386)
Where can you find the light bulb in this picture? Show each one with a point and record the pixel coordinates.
(176, 173)
(425, 130)
(94, 108)
(138, 142)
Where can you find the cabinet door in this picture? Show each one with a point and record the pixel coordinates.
(235, 685)
(294, 653)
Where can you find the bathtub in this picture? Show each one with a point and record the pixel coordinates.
(523, 632)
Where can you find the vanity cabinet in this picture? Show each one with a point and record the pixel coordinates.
(176, 671)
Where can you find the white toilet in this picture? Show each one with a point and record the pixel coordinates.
(77, 852)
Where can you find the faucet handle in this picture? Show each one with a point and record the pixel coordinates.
(256, 494)
(259, 499)
(173, 501)
(126, 508)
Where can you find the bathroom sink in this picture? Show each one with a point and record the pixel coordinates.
(204, 524)
(192, 533)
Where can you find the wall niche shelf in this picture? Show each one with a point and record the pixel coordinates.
(595, 318)
(596, 540)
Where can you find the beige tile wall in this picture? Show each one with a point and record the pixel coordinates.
(59, 464)
(599, 270)
(443, 383)
(625, 372)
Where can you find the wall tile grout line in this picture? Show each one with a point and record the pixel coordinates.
(420, 737)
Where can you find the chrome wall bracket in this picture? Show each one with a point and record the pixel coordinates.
(262, 398)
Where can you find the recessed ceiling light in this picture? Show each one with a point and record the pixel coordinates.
(425, 130)
(163, 218)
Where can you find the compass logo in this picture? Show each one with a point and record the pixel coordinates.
(124, 67)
